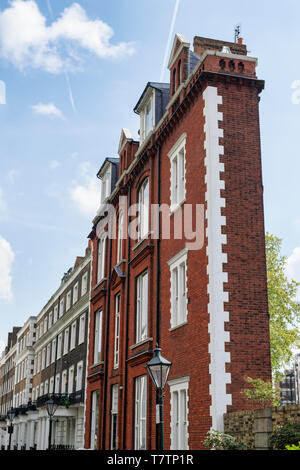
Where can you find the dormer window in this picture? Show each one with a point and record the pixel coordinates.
(147, 117)
(151, 107)
(106, 184)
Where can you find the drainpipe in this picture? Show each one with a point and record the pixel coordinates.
(106, 344)
(158, 429)
(126, 329)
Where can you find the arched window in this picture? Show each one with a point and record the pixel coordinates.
(174, 81)
(101, 257)
(143, 201)
(179, 74)
(120, 237)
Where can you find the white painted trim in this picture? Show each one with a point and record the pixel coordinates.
(216, 276)
(184, 43)
(177, 385)
(178, 144)
(178, 256)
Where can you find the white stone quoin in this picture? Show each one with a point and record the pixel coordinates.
(216, 276)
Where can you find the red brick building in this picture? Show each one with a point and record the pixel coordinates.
(202, 298)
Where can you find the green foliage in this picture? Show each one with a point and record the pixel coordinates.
(293, 447)
(284, 310)
(262, 393)
(286, 435)
(219, 441)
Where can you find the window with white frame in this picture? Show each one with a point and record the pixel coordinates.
(35, 365)
(84, 282)
(68, 300)
(57, 383)
(179, 413)
(50, 319)
(42, 389)
(55, 314)
(178, 266)
(46, 388)
(43, 358)
(71, 379)
(120, 237)
(64, 381)
(101, 257)
(37, 392)
(142, 307)
(41, 329)
(51, 385)
(140, 413)
(147, 116)
(73, 336)
(81, 329)
(61, 307)
(45, 325)
(66, 341)
(53, 351)
(98, 337)
(106, 184)
(39, 362)
(117, 331)
(79, 376)
(48, 355)
(94, 420)
(59, 345)
(177, 162)
(114, 417)
(143, 208)
(75, 293)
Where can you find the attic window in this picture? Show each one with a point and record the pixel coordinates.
(106, 184)
(174, 81)
(147, 117)
(179, 74)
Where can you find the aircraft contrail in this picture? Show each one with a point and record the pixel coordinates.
(163, 69)
(70, 92)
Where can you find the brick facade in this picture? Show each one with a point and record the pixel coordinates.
(193, 347)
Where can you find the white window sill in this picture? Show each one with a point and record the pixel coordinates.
(100, 282)
(97, 364)
(136, 345)
(175, 207)
(178, 326)
(145, 237)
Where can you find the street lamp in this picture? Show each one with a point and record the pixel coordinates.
(11, 415)
(158, 368)
(51, 407)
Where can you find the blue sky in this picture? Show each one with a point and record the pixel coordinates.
(68, 97)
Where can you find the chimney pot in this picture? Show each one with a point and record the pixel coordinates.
(240, 40)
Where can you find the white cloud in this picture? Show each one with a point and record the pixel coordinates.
(47, 110)
(86, 196)
(11, 176)
(7, 257)
(2, 202)
(54, 164)
(27, 41)
(293, 267)
(2, 92)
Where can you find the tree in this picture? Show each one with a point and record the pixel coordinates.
(284, 310)
(263, 393)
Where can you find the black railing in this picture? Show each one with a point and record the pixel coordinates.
(61, 447)
(75, 397)
(60, 399)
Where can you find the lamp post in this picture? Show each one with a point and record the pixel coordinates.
(11, 415)
(51, 407)
(158, 368)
